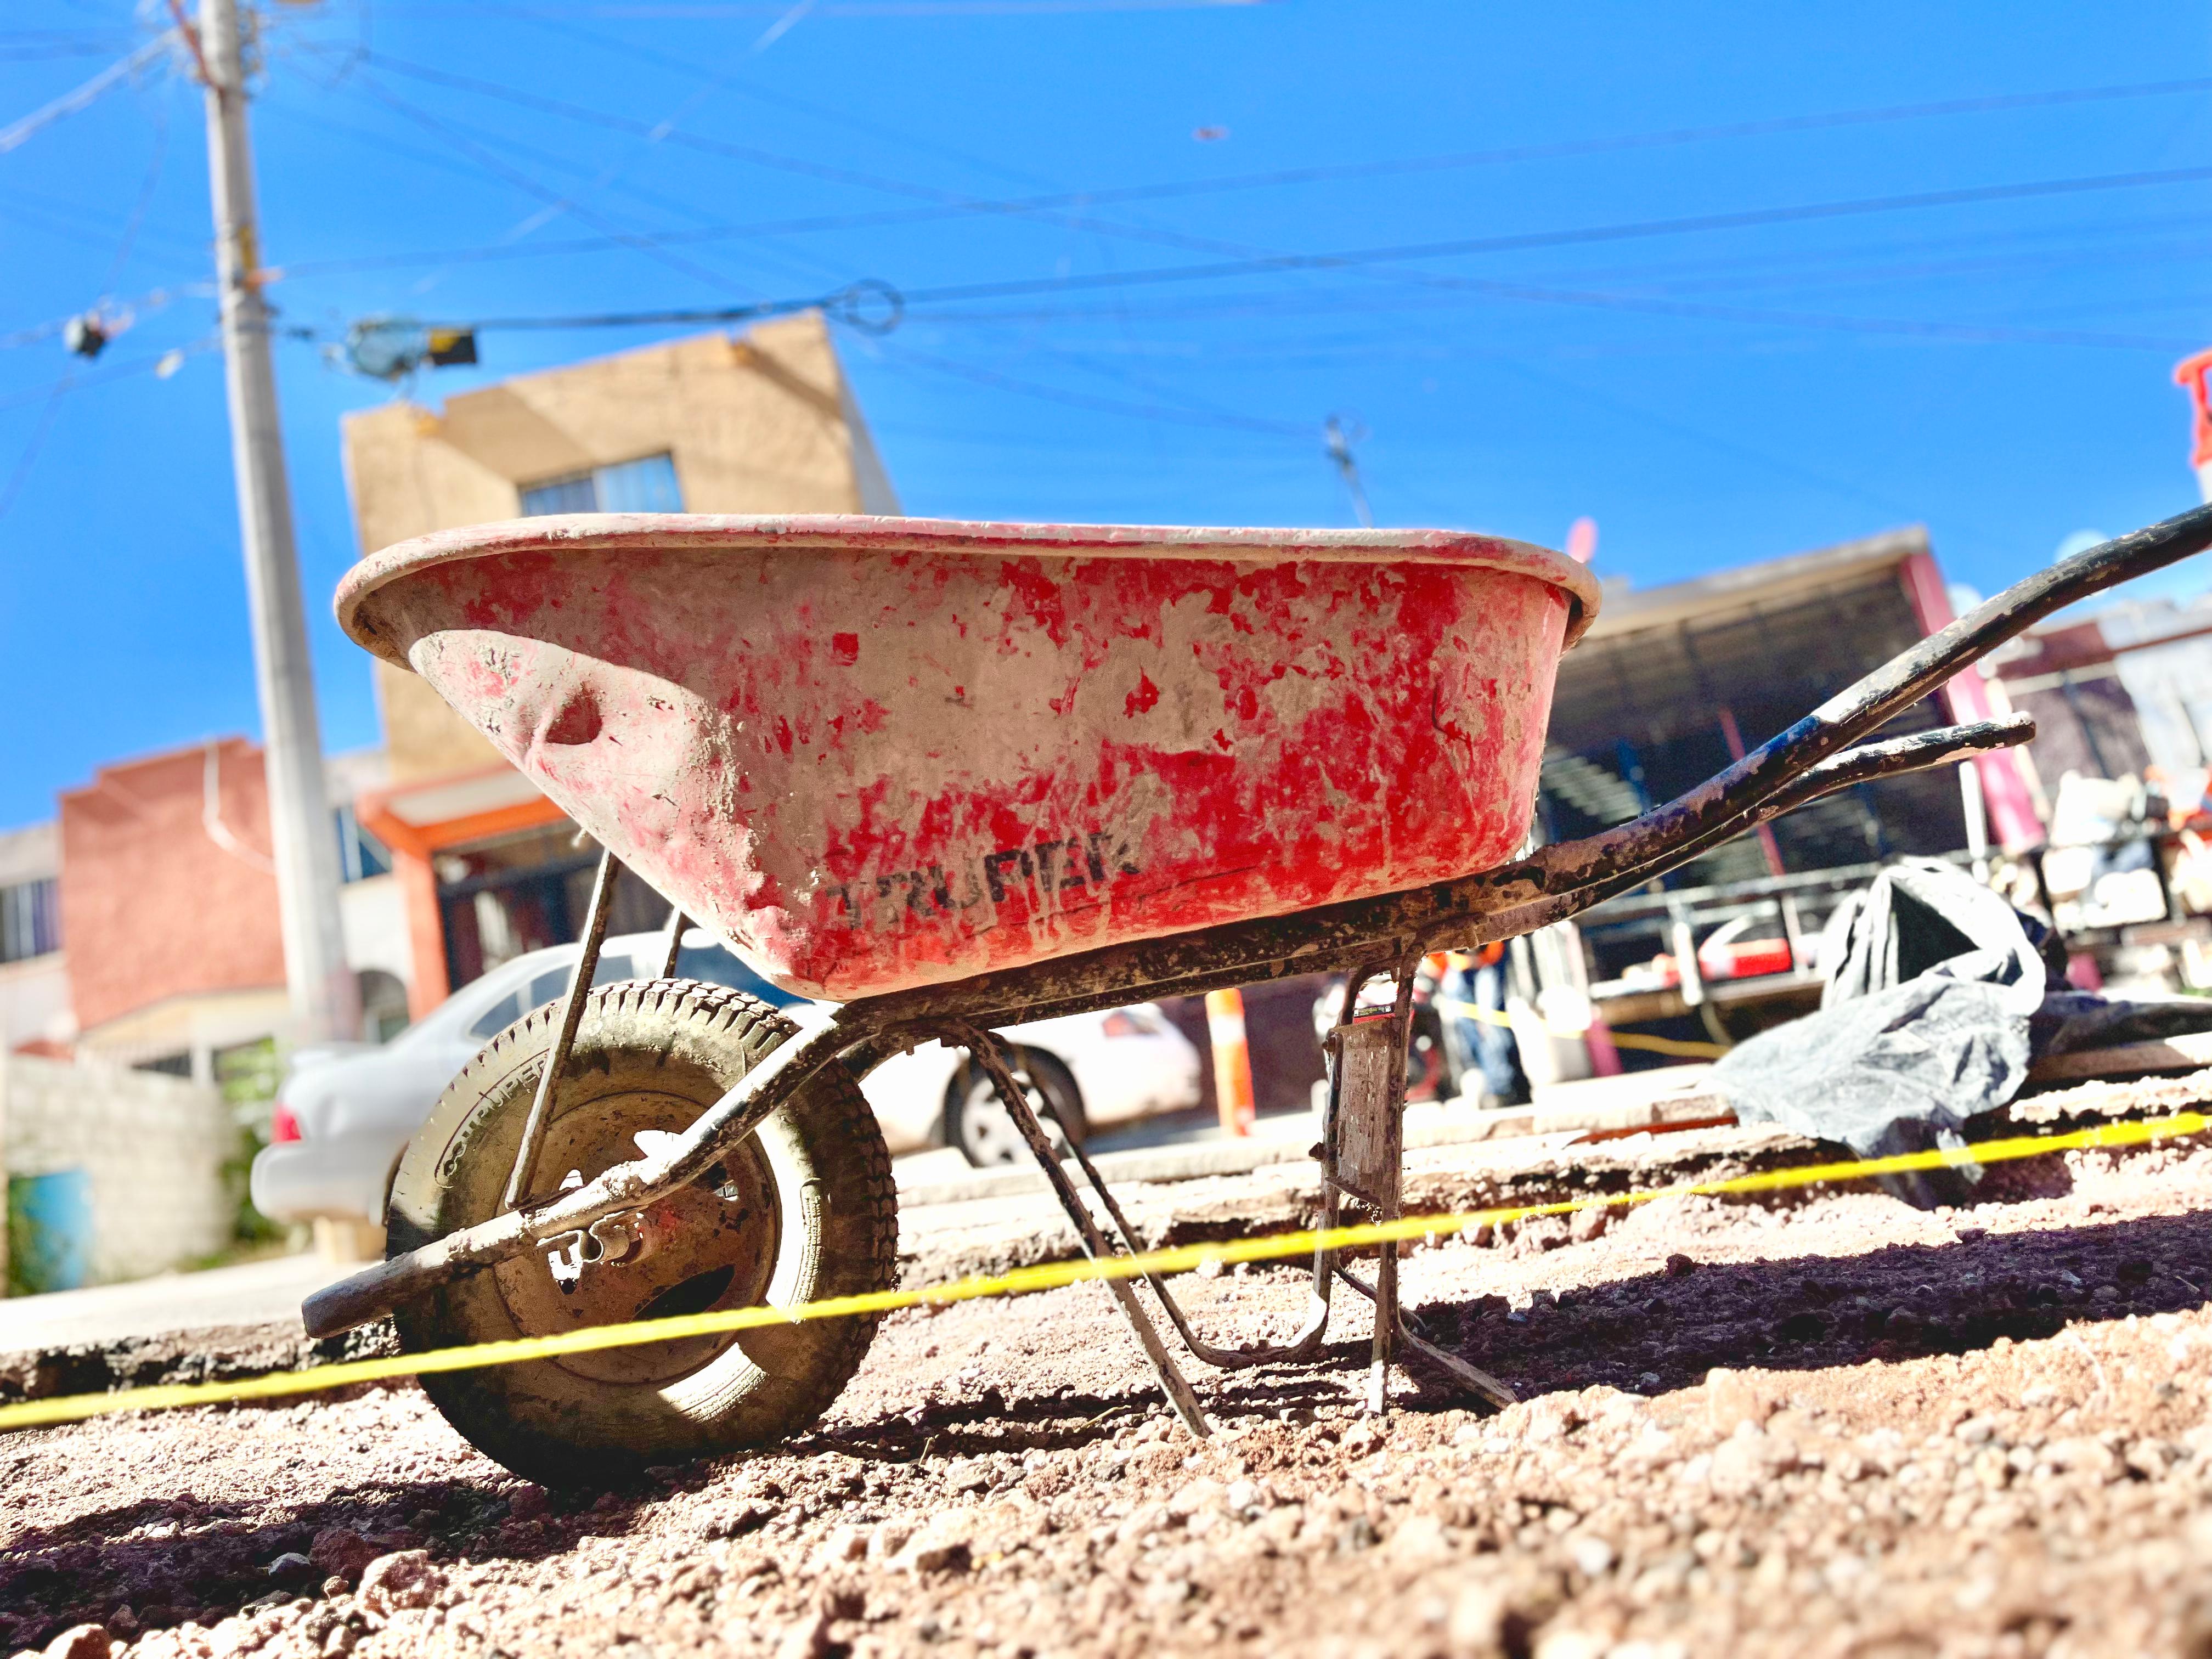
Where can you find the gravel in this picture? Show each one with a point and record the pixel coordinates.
(1835, 1426)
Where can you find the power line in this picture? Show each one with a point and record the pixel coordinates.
(17, 133)
(953, 203)
(523, 182)
(1277, 178)
(613, 123)
(851, 303)
(1268, 263)
(1357, 259)
(695, 12)
(21, 474)
(532, 222)
(1105, 406)
(1980, 333)
(121, 257)
(497, 140)
(948, 204)
(1632, 230)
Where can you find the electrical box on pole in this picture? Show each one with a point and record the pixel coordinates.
(326, 1001)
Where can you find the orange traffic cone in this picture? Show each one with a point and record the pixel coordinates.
(1232, 1060)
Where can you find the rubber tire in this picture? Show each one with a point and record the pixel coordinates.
(838, 1236)
(1064, 1101)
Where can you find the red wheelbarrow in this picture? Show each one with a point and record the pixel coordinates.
(954, 776)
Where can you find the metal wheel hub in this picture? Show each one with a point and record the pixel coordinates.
(710, 1245)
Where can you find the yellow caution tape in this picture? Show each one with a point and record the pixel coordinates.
(1657, 1045)
(35, 1413)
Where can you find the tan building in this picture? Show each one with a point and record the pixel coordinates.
(760, 422)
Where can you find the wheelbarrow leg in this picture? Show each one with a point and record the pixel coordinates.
(991, 1057)
(672, 942)
(1300, 1347)
(1362, 1155)
(1388, 1199)
(1414, 1335)
(572, 1011)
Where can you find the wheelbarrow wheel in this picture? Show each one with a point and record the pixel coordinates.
(804, 1209)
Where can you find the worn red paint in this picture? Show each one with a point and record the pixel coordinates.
(1020, 740)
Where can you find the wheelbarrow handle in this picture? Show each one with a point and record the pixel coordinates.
(1731, 797)
(1888, 757)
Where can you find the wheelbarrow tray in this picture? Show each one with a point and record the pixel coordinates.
(874, 754)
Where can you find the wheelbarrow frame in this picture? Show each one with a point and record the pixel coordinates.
(1366, 939)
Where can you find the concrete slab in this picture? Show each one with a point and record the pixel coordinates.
(254, 1293)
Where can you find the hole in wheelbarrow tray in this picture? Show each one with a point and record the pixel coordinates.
(577, 723)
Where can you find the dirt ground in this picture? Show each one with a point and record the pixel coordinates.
(1831, 1424)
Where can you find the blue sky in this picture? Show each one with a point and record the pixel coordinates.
(1874, 311)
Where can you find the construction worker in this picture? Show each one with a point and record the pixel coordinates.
(1472, 1001)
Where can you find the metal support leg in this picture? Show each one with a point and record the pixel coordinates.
(1387, 1199)
(1300, 1347)
(571, 1010)
(1364, 1157)
(991, 1058)
(1385, 1329)
(1415, 1336)
(672, 942)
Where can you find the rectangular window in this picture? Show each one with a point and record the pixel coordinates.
(644, 486)
(647, 485)
(30, 920)
(573, 494)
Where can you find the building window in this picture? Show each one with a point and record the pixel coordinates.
(500, 899)
(30, 920)
(641, 486)
(360, 855)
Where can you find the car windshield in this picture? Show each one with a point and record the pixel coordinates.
(703, 960)
(543, 987)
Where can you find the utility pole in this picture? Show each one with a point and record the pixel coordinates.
(326, 1001)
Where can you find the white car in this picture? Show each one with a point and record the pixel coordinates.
(346, 1111)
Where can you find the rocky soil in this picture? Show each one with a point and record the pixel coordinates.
(1832, 1426)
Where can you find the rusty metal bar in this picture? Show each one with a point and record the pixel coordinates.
(1414, 1335)
(572, 1011)
(984, 1047)
(672, 942)
(869, 1031)
(1298, 1348)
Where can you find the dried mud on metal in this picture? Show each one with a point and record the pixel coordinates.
(1835, 1426)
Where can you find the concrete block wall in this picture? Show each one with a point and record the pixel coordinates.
(153, 1147)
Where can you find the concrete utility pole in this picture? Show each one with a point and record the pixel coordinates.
(326, 1000)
